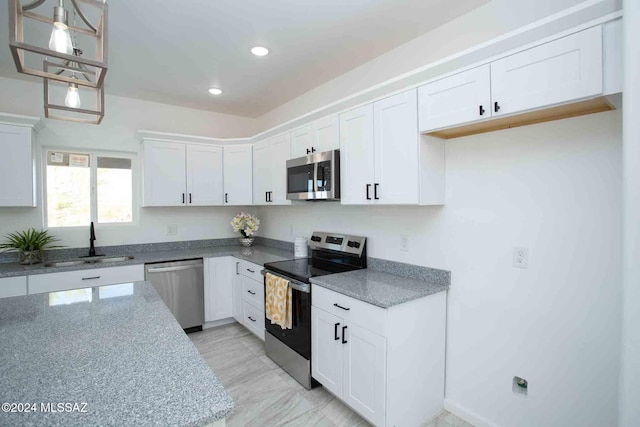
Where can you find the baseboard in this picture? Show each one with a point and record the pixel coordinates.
(467, 415)
(220, 322)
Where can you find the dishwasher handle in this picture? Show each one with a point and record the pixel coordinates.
(177, 268)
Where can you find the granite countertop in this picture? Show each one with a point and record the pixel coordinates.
(116, 348)
(379, 288)
(257, 255)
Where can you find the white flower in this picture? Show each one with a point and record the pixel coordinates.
(245, 223)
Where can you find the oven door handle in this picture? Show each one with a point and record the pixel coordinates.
(293, 284)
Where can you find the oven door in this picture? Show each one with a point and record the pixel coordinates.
(314, 177)
(298, 338)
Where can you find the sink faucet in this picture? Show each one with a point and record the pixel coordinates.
(92, 238)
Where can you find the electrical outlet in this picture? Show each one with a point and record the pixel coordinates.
(404, 243)
(172, 230)
(521, 257)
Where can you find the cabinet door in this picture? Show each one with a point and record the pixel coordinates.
(327, 133)
(280, 153)
(364, 373)
(396, 150)
(302, 141)
(560, 71)
(13, 286)
(17, 167)
(326, 350)
(357, 156)
(238, 175)
(237, 291)
(461, 98)
(262, 166)
(204, 175)
(218, 288)
(164, 173)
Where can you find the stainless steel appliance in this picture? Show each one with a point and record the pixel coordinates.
(330, 253)
(314, 177)
(180, 284)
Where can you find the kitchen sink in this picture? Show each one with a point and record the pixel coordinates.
(88, 260)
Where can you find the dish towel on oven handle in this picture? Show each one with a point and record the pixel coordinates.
(278, 301)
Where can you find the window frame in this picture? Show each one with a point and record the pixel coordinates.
(93, 194)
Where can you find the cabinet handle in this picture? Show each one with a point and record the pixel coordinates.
(313, 150)
(237, 268)
(335, 332)
(375, 191)
(251, 292)
(91, 278)
(308, 152)
(226, 197)
(339, 306)
(344, 328)
(183, 198)
(496, 106)
(250, 271)
(368, 188)
(270, 200)
(266, 196)
(481, 110)
(190, 202)
(251, 318)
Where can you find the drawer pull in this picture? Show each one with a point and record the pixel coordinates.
(250, 271)
(344, 328)
(91, 278)
(335, 332)
(251, 318)
(339, 306)
(251, 292)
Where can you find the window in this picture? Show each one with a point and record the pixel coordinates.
(82, 187)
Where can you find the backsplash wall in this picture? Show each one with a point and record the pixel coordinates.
(554, 188)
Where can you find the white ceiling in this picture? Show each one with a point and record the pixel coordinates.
(172, 51)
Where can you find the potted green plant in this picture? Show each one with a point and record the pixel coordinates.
(29, 244)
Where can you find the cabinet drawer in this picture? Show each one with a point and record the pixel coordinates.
(85, 278)
(350, 309)
(253, 319)
(13, 286)
(251, 270)
(253, 292)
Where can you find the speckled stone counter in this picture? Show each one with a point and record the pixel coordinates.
(116, 348)
(379, 288)
(257, 254)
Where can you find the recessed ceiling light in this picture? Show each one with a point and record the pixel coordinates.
(215, 91)
(259, 51)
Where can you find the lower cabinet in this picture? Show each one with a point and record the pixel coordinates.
(386, 364)
(251, 291)
(52, 282)
(218, 288)
(13, 286)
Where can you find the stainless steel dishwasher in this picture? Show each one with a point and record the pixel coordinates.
(180, 284)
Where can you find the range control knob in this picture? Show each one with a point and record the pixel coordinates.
(353, 244)
(316, 239)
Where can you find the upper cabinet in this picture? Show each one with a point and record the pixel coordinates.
(562, 78)
(238, 175)
(383, 160)
(17, 163)
(269, 170)
(178, 174)
(316, 137)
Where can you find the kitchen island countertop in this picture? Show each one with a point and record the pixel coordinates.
(115, 351)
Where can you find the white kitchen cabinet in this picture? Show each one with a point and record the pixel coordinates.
(461, 98)
(252, 297)
(238, 175)
(237, 291)
(380, 152)
(316, 137)
(13, 286)
(560, 71)
(51, 282)
(17, 166)
(165, 173)
(218, 288)
(371, 359)
(269, 170)
(204, 175)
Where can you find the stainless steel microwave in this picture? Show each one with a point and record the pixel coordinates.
(314, 177)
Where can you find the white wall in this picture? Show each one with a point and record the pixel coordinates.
(554, 188)
(124, 117)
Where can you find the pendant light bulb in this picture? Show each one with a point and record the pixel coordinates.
(72, 99)
(60, 40)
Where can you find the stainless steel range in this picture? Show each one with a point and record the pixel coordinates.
(330, 253)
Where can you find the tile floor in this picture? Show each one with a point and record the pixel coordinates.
(267, 396)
